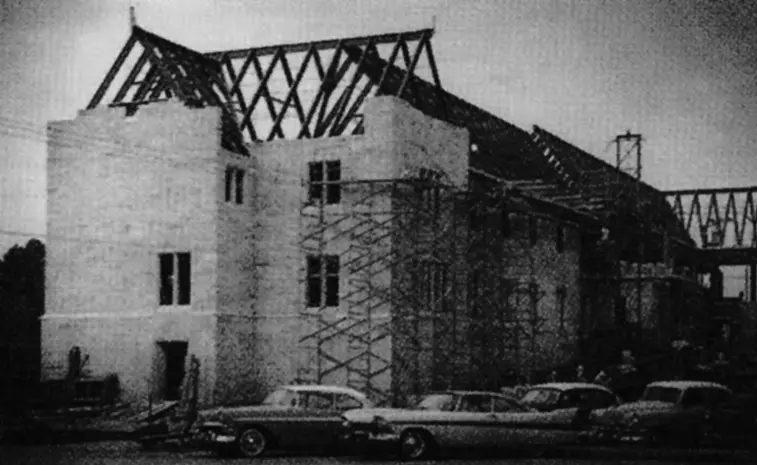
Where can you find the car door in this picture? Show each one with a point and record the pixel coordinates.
(473, 422)
(568, 404)
(514, 425)
(311, 426)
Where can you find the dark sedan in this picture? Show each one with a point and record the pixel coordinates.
(291, 417)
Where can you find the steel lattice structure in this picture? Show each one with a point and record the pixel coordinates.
(304, 90)
(722, 221)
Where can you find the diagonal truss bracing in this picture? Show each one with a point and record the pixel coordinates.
(305, 90)
(718, 218)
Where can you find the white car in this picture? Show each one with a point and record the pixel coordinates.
(456, 419)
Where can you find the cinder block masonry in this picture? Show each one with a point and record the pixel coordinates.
(128, 196)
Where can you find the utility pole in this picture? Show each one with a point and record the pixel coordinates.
(626, 197)
(132, 17)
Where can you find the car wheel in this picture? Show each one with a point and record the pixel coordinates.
(252, 443)
(414, 444)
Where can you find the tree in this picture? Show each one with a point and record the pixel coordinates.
(22, 276)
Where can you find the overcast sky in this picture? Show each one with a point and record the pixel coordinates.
(681, 72)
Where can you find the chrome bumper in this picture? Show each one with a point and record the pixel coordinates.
(615, 434)
(211, 439)
(370, 440)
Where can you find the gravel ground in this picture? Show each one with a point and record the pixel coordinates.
(123, 453)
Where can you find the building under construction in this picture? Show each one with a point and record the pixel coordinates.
(327, 212)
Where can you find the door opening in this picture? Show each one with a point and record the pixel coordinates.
(174, 355)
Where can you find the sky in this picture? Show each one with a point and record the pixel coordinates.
(680, 72)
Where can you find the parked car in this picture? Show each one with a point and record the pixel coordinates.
(291, 417)
(565, 400)
(669, 413)
(455, 419)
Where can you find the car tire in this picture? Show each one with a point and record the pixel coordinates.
(415, 444)
(252, 442)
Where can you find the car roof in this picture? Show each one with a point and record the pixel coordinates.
(325, 388)
(569, 386)
(459, 392)
(687, 384)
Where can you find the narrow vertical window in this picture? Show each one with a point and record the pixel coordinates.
(184, 278)
(533, 292)
(505, 223)
(166, 278)
(228, 183)
(333, 182)
(560, 239)
(315, 181)
(332, 280)
(239, 184)
(533, 230)
(561, 298)
(313, 281)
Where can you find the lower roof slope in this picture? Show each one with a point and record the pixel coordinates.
(608, 191)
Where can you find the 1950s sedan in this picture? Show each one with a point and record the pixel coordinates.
(669, 413)
(566, 399)
(456, 419)
(291, 417)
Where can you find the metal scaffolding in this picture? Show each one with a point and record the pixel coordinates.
(433, 298)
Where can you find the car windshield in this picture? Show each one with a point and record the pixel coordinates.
(438, 402)
(662, 394)
(541, 398)
(281, 398)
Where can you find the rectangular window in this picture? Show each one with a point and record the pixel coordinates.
(315, 181)
(324, 182)
(429, 186)
(560, 239)
(314, 284)
(433, 282)
(322, 281)
(561, 297)
(332, 280)
(175, 278)
(185, 282)
(533, 293)
(239, 197)
(533, 230)
(505, 223)
(234, 185)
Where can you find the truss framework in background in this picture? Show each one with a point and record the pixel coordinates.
(718, 218)
(430, 239)
(306, 90)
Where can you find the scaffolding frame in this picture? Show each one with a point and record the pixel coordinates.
(426, 267)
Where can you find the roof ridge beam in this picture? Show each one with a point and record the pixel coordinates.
(321, 44)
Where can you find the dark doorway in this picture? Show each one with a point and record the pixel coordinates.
(175, 354)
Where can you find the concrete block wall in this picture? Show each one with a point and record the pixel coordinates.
(289, 228)
(120, 191)
(550, 339)
(239, 278)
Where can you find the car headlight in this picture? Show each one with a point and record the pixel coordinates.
(633, 420)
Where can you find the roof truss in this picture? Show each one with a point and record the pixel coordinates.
(305, 90)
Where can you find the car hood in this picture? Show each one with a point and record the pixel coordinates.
(220, 413)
